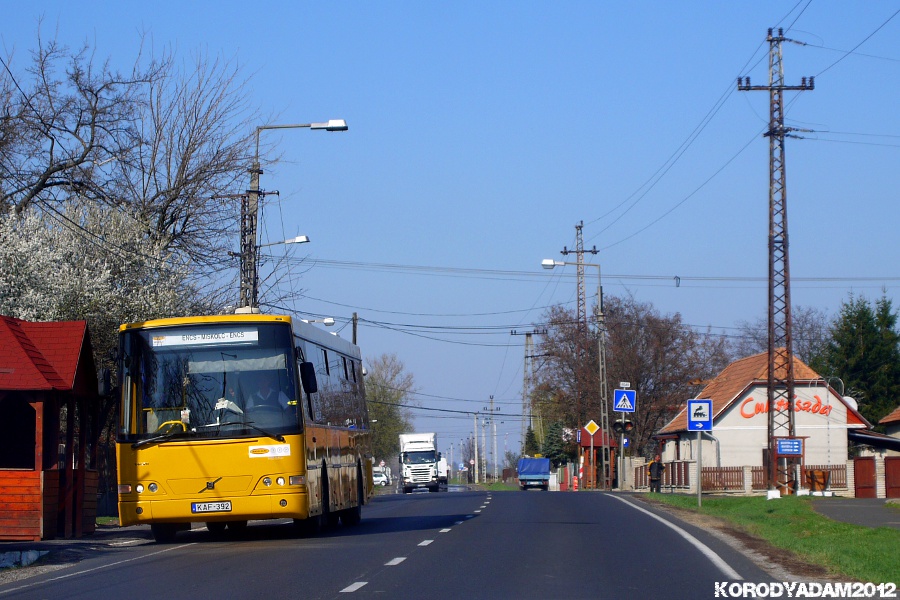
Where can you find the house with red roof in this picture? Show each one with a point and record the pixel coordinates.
(891, 424)
(823, 419)
(49, 419)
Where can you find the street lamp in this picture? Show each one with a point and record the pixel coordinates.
(327, 321)
(549, 263)
(250, 209)
(300, 239)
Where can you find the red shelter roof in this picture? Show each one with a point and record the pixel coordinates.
(43, 356)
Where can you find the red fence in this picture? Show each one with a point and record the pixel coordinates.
(723, 479)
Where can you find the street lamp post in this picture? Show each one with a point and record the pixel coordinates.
(250, 210)
(549, 263)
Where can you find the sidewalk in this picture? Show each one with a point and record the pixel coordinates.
(868, 512)
(106, 538)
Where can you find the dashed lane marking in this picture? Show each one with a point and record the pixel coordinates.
(395, 561)
(353, 587)
(425, 542)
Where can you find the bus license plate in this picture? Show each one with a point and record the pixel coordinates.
(208, 507)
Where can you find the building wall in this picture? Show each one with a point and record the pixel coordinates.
(742, 430)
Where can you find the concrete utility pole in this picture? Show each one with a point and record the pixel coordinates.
(249, 279)
(475, 439)
(780, 394)
(527, 380)
(601, 350)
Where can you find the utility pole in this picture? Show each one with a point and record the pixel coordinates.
(475, 439)
(483, 450)
(780, 392)
(579, 251)
(527, 380)
(494, 436)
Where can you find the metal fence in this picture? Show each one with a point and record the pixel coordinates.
(732, 479)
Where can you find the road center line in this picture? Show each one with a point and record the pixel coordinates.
(395, 561)
(445, 530)
(425, 542)
(354, 587)
(714, 558)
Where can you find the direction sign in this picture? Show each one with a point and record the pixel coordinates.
(790, 446)
(624, 400)
(700, 415)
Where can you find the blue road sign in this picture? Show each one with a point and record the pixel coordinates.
(790, 446)
(700, 416)
(624, 400)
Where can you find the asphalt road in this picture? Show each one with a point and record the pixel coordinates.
(450, 545)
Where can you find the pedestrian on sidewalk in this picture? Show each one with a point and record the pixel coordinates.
(655, 470)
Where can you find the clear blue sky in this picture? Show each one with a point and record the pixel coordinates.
(482, 132)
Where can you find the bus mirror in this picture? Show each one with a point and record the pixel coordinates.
(308, 377)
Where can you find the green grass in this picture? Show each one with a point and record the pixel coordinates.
(862, 553)
(499, 486)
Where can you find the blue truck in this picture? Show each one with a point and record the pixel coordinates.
(534, 472)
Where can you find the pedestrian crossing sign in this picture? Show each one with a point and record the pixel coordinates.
(624, 400)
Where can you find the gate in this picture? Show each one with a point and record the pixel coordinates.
(892, 476)
(864, 477)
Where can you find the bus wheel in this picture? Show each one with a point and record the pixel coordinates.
(352, 516)
(309, 526)
(237, 527)
(216, 527)
(329, 518)
(164, 533)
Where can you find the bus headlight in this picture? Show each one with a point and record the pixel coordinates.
(267, 481)
(280, 481)
(139, 488)
(152, 487)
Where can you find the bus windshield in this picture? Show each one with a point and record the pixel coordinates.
(216, 380)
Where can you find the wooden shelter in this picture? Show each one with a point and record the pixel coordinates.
(49, 413)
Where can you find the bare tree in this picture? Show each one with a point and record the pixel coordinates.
(64, 115)
(809, 332)
(162, 144)
(663, 359)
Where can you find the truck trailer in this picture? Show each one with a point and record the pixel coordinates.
(534, 472)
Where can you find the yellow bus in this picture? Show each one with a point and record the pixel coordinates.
(226, 419)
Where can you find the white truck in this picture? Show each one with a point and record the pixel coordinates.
(419, 462)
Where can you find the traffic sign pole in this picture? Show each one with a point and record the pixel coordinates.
(700, 419)
(699, 469)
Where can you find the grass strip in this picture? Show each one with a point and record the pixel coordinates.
(862, 553)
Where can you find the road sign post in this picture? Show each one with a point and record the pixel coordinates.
(624, 401)
(700, 419)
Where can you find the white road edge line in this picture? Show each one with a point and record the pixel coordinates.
(353, 587)
(395, 561)
(714, 558)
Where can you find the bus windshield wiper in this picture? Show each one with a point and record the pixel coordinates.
(159, 438)
(275, 436)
